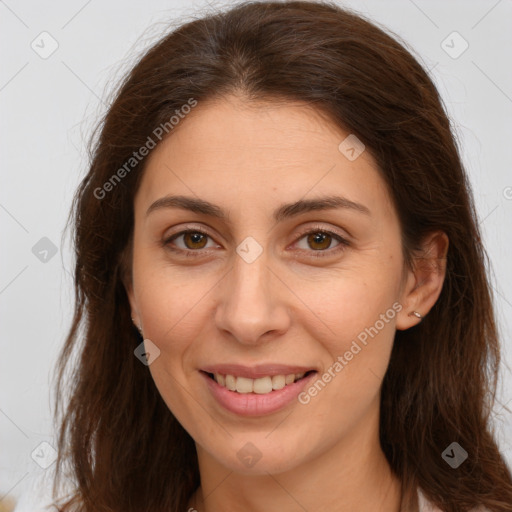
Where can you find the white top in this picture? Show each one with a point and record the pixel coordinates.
(424, 505)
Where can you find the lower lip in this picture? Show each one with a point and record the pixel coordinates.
(253, 404)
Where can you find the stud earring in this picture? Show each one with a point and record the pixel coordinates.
(416, 314)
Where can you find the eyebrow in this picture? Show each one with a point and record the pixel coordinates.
(285, 211)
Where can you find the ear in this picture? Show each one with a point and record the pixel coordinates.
(127, 280)
(133, 305)
(424, 281)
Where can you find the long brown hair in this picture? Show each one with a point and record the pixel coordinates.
(119, 443)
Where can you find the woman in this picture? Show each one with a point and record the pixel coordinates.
(281, 298)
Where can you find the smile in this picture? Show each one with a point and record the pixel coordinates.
(258, 390)
(261, 386)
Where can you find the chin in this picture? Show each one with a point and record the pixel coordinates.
(257, 455)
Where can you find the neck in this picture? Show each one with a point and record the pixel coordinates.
(352, 475)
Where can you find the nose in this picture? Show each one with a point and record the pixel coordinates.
(252, 307)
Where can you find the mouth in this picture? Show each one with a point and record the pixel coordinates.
(261, 385)
(256, 391)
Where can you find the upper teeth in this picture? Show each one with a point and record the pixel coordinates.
(261, 386)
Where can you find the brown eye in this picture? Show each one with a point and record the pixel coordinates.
(194, 240)
(319, 241)
(191, 241)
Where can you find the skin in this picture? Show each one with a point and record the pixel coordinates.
(287, 306)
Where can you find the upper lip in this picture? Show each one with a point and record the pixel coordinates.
(257, 371)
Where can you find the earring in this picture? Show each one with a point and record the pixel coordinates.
(416, 314)
(139, 328)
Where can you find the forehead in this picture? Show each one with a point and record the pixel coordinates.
(259, 151)
(236, 124)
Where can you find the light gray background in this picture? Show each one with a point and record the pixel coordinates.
(49, 106)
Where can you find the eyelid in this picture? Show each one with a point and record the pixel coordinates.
(342, 239)
(322, 229)
(188, 228)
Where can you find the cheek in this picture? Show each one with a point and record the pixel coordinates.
(175, 305)
(347, 389)
(169, 300)
(354, 321)
(355, 304)
(358, 346)
(173, 314)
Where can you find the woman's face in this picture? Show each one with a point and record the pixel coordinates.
(272, 283)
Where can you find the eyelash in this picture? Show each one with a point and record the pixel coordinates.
(320, 253)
